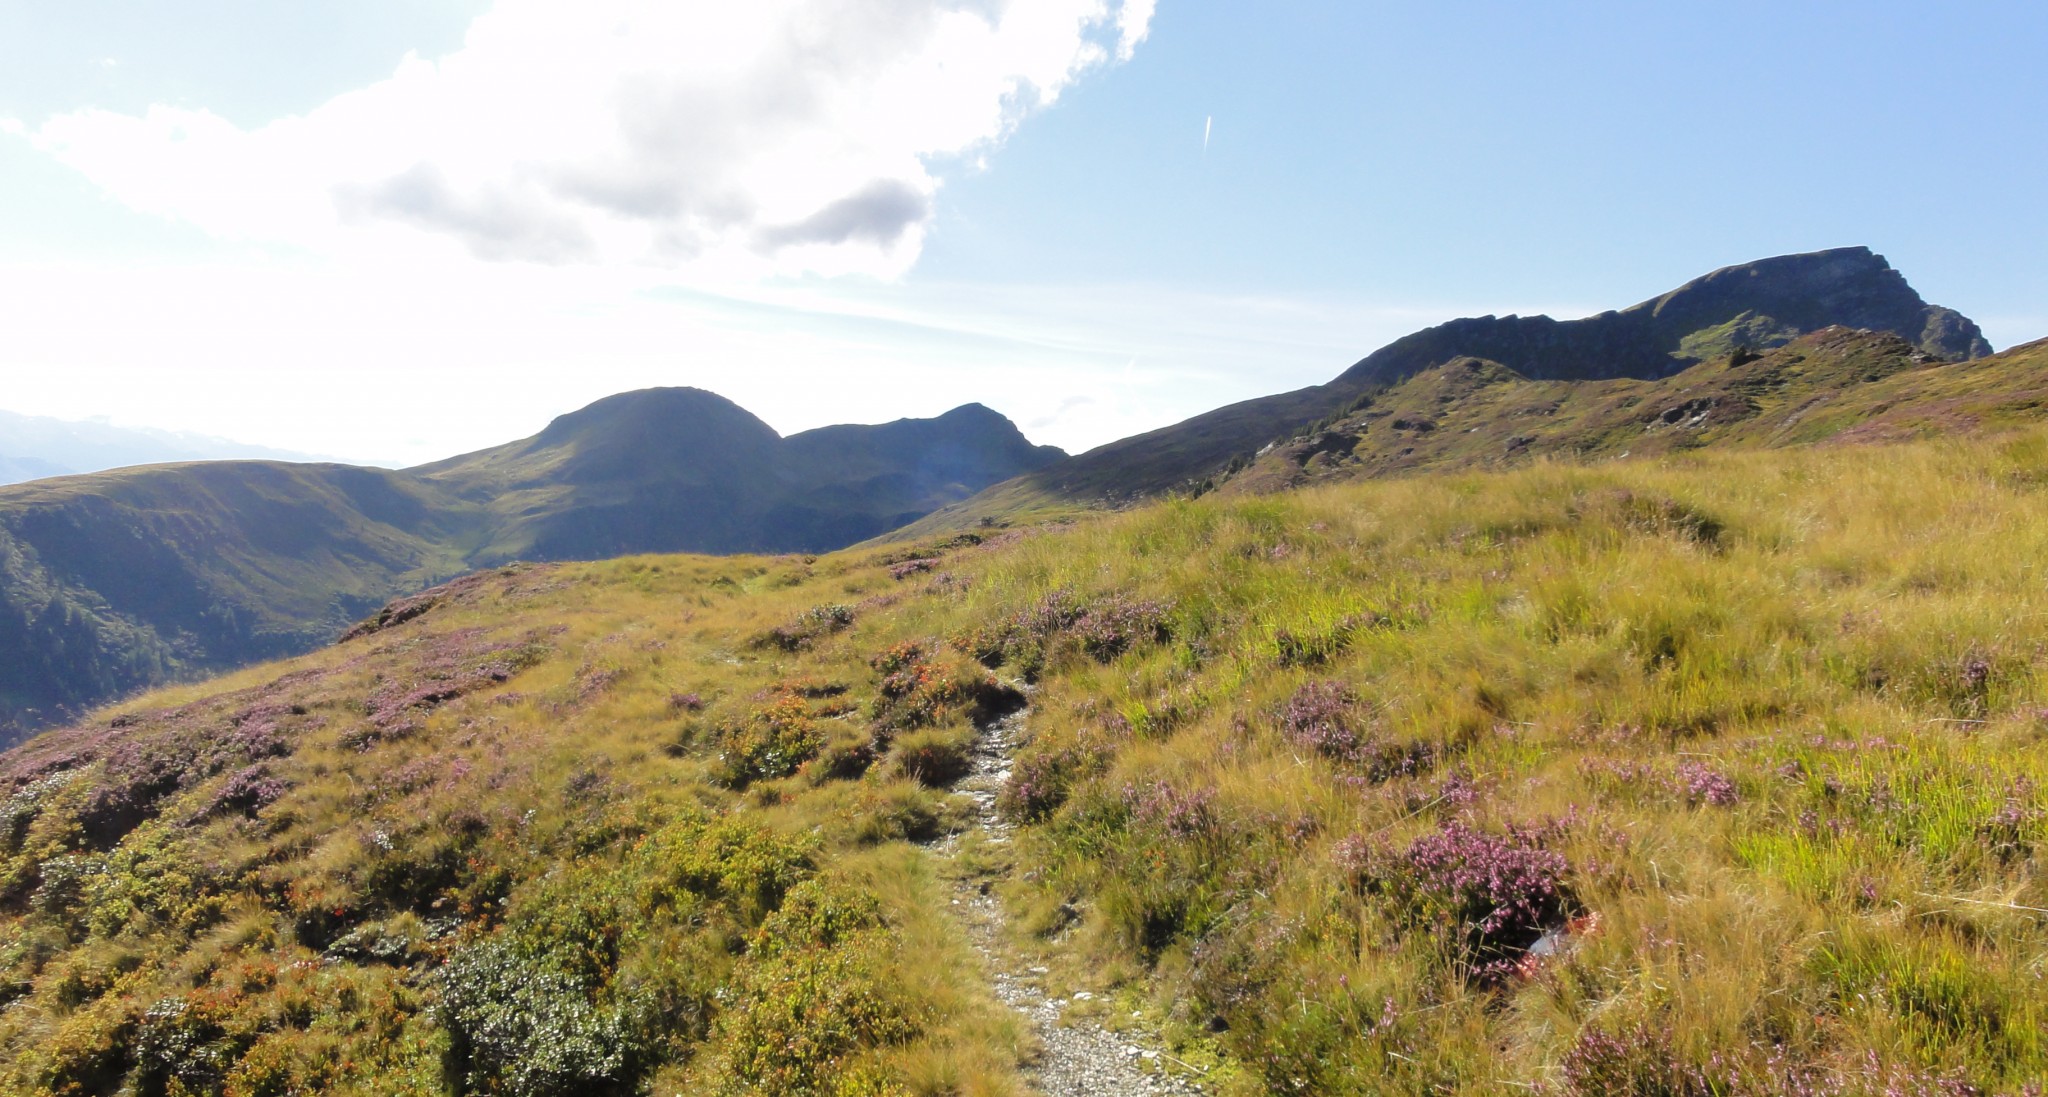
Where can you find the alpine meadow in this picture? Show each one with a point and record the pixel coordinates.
(1711, 775)
(950, 623)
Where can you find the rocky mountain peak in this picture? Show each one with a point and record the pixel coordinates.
(1757, 305)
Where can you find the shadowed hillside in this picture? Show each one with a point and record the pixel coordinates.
(684, 469)
(120, 580)
(125, 579)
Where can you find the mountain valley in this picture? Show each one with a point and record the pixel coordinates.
(1648, 705)
(124, 579)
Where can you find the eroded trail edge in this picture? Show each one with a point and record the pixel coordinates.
(1079, 1057)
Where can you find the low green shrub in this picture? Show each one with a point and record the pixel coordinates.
(813, 996)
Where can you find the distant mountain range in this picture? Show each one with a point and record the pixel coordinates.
(36, 447)
(120, 580)
(1752, 307)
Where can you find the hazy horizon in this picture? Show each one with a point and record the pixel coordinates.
(372, 230)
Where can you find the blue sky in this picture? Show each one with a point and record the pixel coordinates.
(260, 221)
(1589, 153)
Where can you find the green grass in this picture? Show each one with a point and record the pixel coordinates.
(1764, 733)
(1836, 386)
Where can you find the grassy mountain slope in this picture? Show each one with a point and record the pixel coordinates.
(1835, 385)
(119, 580)
(1753, 306)
(1719, 774)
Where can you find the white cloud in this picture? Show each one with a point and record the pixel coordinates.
(1133, 21)
(716, 138)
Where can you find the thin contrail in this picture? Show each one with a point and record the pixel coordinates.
(1208, 124)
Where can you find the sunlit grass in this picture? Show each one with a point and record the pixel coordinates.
(1780, 715)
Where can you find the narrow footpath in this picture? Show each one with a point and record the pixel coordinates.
(1078, 1056)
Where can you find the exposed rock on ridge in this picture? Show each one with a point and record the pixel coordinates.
(1757, 305)
(1750, 307)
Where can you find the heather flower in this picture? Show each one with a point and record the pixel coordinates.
(1102, 630)
(249, 791)
(2006, 830)
(1638, 1060)
(1117, 623)
(1495, 894)
(908, 568)
(452, 666)
(1039, 784)
(1457, 790)
(1614, 771)
(808, 627)
(1181, 814)
(1322, 716)
(1702, 784)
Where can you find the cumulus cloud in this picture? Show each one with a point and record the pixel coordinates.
(775, 135)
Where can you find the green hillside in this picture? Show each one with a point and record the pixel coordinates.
(1835, 386)
(1705, 775)
(125, 579)
(120, 580)
(1746, 308)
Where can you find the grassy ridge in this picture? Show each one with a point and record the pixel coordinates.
(1837, 386)
(1833, 386)
(1741, 309)
(1718, 775)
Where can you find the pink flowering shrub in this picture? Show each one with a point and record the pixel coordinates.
(1179, 813)
(808, 628)
(1702, 784)
(1324, 717)
(1491, 896)
(908, 568)
(1101, 630)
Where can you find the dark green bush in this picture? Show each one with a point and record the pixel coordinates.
(526, 1024)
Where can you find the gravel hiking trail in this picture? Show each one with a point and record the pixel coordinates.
(1078, 1057)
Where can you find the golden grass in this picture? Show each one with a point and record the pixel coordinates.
(1780, 714)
